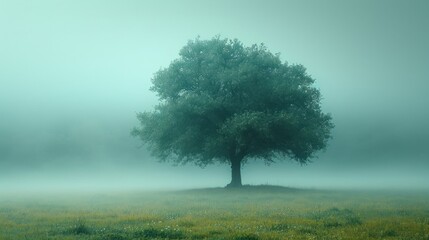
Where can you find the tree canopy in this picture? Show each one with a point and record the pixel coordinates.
(221, 101)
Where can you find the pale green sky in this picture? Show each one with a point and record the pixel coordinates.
(74, 73)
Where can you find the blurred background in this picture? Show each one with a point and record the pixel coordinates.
(73, 75)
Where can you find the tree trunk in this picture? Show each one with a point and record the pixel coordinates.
(235, 174)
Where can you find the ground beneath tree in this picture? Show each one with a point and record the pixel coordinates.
(251, 212)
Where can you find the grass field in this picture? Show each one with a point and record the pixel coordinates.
(250, 213)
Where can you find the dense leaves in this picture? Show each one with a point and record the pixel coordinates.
(222, 101)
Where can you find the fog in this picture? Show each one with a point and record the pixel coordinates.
(73, 75)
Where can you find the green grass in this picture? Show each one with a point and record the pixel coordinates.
(241, 214)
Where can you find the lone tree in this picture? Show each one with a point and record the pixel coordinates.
(223, 102)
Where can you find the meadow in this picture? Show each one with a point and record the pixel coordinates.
(252, 213)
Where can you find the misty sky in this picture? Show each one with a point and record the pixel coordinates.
(73, 75)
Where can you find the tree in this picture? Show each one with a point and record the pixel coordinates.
(223, 102)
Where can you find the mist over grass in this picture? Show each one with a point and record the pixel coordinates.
(139, 175)
(261, 212)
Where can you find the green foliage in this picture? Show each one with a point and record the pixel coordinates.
(79, 228)
(335, 217)
(222, 101)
